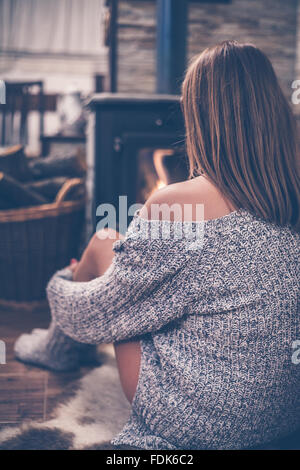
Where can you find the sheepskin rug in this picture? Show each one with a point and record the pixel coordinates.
(89, 419)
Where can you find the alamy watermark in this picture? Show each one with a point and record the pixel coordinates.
(180, 221)
(2, 352)
(296, 94)
(296, 352)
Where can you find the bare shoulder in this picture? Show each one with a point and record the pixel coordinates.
(187, 197)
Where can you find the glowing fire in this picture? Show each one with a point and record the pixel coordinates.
(160, 184)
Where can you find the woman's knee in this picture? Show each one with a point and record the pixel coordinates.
(99, 252)
(102, 242)
(107, 235)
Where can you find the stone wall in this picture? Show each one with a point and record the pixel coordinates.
(136, 46)
(297, 71)
(270, 24)
(298, 43)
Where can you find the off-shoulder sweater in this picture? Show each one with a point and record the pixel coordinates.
(216, 307)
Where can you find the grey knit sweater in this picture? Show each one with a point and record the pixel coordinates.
(216, 321)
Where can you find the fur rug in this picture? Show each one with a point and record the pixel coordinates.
(88, 420)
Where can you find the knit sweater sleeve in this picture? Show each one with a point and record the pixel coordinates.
(131, 298)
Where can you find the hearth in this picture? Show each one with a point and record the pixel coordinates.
(137, 146)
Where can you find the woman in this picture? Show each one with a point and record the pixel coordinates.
(203, 336)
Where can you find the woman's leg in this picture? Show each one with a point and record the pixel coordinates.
(52, 348)
(128, 356)
(94, 262)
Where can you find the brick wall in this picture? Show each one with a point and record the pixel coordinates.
(270, 24)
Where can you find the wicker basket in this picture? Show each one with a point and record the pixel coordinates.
(37, 241)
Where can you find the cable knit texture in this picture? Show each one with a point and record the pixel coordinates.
(217, 318)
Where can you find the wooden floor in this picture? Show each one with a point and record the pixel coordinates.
(27, 392)
(30, 393)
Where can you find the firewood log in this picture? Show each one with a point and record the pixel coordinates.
(68, 165)
(17, 195)
(47, 188)
(13, 162)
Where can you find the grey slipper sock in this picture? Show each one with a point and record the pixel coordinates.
(53, 349)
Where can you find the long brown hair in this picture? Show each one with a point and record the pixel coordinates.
(241, 133)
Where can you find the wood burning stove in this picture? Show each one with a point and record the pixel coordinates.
(129, 129)
(126, 132)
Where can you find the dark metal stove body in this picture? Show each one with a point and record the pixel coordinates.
(122, 126)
